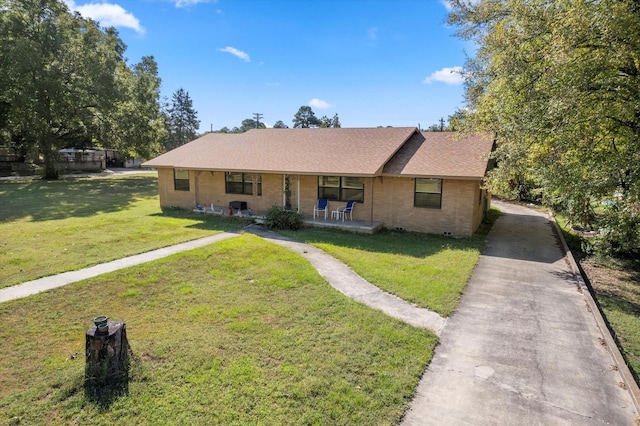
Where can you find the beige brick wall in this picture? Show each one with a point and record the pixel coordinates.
(393, 205)
(387, 199)
(169, 197)
(211, 189)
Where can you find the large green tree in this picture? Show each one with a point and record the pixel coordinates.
(58, 73)
(559, 83)
(182, 120)
(64, 82)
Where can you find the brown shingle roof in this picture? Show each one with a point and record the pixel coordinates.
(341, 151)
(443, 155)
(395, 151)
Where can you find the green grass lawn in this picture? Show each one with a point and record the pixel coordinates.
(428, 270)
(239, 332)
(48, 227)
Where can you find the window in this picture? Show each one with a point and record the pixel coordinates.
(242, 183)
(181, 180)
(341, 188)
(428, 193)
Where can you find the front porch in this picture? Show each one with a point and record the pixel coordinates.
(362, 226)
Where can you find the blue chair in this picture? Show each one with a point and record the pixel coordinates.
(348, 209)
(321, 206)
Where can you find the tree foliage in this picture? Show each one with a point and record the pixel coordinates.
(139, 124)
(559, 83)
(63, 81)
(280, 125)
(250, 123)
(182, 120)
(330, 122)
(305, 118)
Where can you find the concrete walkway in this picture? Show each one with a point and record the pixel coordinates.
(343, 279)
(339, 275)
(523, 347)
(47, 283)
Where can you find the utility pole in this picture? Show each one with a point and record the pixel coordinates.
(257, 116)
(441, 124)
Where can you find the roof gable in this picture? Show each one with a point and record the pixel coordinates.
(443, 155)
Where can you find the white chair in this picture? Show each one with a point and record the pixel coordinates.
(347, 210)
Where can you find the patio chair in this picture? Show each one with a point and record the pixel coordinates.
(348, 209)
(321, 206)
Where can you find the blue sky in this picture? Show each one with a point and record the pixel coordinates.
(373, 62)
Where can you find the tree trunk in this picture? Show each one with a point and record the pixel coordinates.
(50, 156)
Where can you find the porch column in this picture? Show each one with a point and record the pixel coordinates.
(298, 193)
(373, 182)
(196, 191)
(284, 190)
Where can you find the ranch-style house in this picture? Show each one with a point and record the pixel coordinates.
(399, 177)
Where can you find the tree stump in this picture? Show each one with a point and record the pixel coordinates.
(107, 358)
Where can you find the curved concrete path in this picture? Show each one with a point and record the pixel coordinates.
(339, 275)
(523, 347)
(343, 279)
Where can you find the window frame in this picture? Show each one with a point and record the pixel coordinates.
(181, 183)
(245, 183)
(338, 188)
(422, 201)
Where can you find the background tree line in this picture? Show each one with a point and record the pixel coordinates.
(559, 84)
(303, 118)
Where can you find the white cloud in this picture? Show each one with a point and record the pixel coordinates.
(109, 15)
(319, 103)
(235, 52)
(189, 3)
(451, 76)
(447, 5)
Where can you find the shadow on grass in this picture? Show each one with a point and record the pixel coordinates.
(207, 222)
(105, 396)
(77, 197)
(412, 244)
(103, 384)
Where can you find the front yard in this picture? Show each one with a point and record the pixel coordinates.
(239, 332)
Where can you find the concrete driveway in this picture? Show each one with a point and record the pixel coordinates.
(523, 347)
